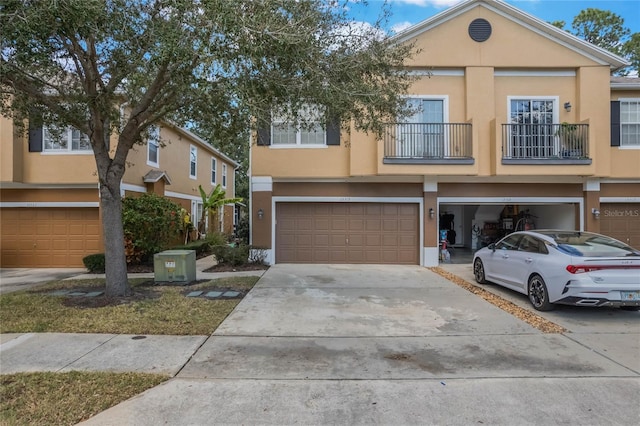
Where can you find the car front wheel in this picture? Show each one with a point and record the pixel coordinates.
(538, 294)
(478, 271)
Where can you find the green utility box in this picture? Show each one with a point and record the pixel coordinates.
(175, 266)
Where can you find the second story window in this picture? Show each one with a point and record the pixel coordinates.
(310, 134)
(193, 162)
(214, 165)
(153, 146)
(65, 140)
(630, 123)
(224, 175)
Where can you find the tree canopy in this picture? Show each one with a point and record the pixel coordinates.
(82, 63)
(607, 30)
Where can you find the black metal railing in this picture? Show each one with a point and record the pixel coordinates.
(545, 141)
(428, 141)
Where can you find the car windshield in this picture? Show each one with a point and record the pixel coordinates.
(591, 245)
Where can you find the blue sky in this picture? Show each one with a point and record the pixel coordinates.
(409, 12)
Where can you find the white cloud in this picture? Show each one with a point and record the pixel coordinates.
(425, 3)
(401, 26)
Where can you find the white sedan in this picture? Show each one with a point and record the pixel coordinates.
(566, 267)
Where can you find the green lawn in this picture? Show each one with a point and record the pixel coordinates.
(68, 398)
(152, 309)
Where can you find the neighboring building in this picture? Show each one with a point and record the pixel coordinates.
(517, 129)
(49, 201)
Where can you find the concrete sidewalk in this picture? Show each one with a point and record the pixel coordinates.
(61, 352)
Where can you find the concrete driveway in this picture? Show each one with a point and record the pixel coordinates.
(324, 344)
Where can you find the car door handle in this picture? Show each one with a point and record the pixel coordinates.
(528, 260)
(505, 256)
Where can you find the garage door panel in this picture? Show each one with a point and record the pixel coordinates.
(305, 224)
(373, 240)
(322, 224)
(356, 224)
(347, 233)
(373, 225)
(390, 225)
(338, 240)
(621, 221)
(373, 209)
(339, 224)
(321, 240)
(48, 237)
(304, 240)
(321, 256)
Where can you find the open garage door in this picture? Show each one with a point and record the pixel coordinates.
(375, 233)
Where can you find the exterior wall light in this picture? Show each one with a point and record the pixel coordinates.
(596, 213)
(432, 213)
(260, 214)
(567, 106)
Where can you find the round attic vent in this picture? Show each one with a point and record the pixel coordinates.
(480, 30)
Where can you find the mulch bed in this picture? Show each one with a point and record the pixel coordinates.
(231, 268)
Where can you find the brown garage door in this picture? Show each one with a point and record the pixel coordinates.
(347, 233)
(48, 237)
(622, 222)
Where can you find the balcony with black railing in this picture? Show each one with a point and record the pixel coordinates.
(545, 144)
(428, 143)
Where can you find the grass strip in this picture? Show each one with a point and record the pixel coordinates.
(151, 310)
(525, 315)
(66, 398)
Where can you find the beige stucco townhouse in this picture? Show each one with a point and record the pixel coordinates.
(521, 126)
(49, 201)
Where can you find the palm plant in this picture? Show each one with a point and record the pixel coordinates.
(211, 202)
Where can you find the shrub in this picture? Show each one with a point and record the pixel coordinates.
(201, 247)
(151, 222)
(216, 239)
(241, 254)
(242, 230)
(94, 263)
(230, 255)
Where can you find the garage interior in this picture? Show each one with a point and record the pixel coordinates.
(469, 227)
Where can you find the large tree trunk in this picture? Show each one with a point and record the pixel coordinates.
(115, 259)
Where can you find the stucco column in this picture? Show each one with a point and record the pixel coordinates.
(591, 202)
(480, 107)
(430, 237)
(261, 214)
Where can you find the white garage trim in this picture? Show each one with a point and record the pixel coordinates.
(620, 200)
(271, 255)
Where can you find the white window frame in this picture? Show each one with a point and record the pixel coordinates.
(556, 113)
(298, 135)
(214, 171)
(67, 134)
(224, 175)
(555, 99)
(196, 214)
(627, 100)
(154, 140)
(445, 119)
(193, 159)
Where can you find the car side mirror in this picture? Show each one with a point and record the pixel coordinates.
(492, 247)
